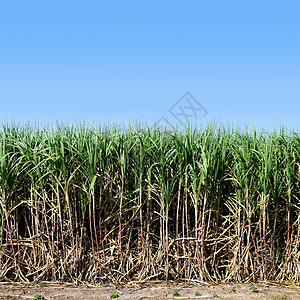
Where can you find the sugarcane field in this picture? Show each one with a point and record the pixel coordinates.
(133, 205)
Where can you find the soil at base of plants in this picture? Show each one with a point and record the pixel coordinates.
(150, 291)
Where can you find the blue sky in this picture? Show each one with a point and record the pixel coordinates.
(123, 61)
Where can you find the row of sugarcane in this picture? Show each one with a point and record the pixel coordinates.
(118, 204)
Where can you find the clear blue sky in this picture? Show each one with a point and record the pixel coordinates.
(132, 60)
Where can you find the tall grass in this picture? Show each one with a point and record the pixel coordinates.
(118, 204)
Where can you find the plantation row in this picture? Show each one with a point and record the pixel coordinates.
(119, 204)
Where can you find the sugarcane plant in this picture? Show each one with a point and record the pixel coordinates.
(120, 203)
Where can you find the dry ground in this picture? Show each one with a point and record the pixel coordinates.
(150, 291)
